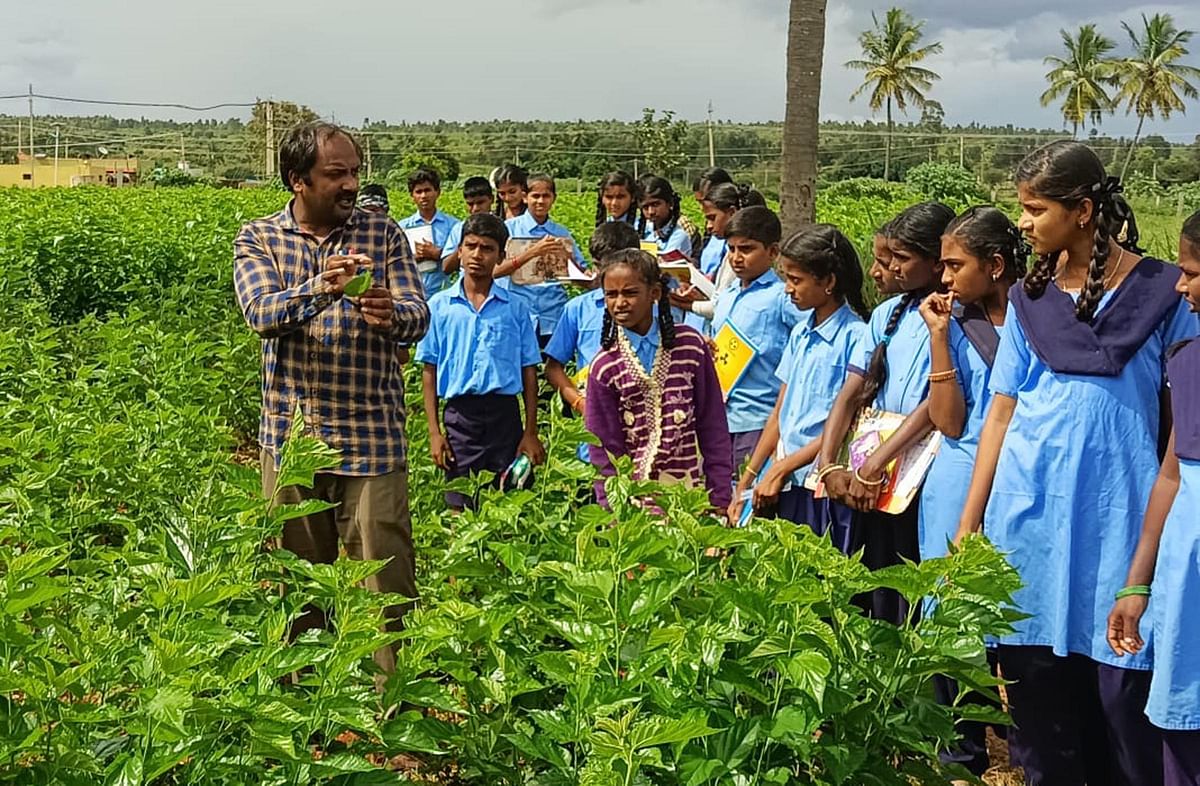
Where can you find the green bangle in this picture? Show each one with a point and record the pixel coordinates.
(1134, 589)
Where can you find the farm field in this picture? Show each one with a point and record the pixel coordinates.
(143, 624)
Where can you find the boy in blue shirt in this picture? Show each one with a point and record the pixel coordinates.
(480, 353)
(545, 300)
(758, 306)
(477, 193)
(425, 188)
(577, 336)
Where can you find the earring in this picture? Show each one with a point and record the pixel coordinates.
(1082, 224)
(995, 277)
(829, 291)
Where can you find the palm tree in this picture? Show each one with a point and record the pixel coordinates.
(805, 50)
(1152, 80)
(1082, 77)
(890, 57)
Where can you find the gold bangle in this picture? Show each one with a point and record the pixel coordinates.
(829, 470)
(943, 376)
(883, 478)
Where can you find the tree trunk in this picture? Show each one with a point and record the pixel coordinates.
(805, 51)
(887, 145)
(1136, 135)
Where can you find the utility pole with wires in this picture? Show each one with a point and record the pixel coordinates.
(56, 129)
(32, 155)
(712, 154)
(270, 139)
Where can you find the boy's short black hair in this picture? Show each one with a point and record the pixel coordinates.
(424, 174)
(486, 225)
(755, 223)
(611, 237)
(475, 187)
(1191, 229)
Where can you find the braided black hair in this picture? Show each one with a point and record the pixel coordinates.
(712, 176)
(516, 175)
(654, 187)
(1069, 172)
(618, 179)
(918, 228)
(986, 232)
(645, 267)
(821, 250)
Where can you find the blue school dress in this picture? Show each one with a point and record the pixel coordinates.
(545, 301)
(1079, 458)
(677, 240)
(711, 256)
(945, 491)
(1174, 701)
(907, 382)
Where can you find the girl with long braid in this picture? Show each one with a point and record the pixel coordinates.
(983, 254)
(890, 373)
(1066, 461)
(652, 392)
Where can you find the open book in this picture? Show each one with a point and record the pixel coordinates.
(688, 275)
(906, 473)
(545, 267)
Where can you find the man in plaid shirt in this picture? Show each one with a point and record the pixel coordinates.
(331, 359)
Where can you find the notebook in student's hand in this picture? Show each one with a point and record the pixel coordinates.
(544, 267)
(650, 247)
(734, 354)
(422, 233)
(576, 274)
(689, 275)
(906, 472)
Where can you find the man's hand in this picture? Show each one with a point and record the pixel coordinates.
(377, 307)
(439, 448)
(340, 268)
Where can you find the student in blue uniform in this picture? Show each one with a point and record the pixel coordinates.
(479, 355)
(577, 336)
(512, 186)
(881, 264)
(1165, 572)
(477, 193)
(618, 199)
(983, 254)
(1065, 464)
(425, 187)
(709, 177)
(891, 373)
(545, 300)
(824, 279)
(660, 217)
(758, 306)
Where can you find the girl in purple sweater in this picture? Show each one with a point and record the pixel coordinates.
(653, 393)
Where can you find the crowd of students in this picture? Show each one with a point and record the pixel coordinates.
(1056, 360)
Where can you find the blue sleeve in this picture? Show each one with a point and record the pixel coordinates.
(960, 356)
(1011, 367)
(789, 315)
(783, 371)
(1181, 325)
(453, 241)
(531, 353)
(871, 334)
(678, 241)
(429, 348)
(566, 335)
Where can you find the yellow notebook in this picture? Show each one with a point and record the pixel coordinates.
(733, 356)
(650, 247)
(581, 377)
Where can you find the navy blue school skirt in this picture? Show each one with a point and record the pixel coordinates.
(798, 506)
(483, 432)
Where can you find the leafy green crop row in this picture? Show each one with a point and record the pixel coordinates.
(143, 623)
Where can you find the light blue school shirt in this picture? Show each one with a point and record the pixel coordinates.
(1174, 701)
(645, 347)
(945, 491)
(545, 301)
(431, 271)
(711, 256)
(478, 352)
(453, 240)
(577, 335)
(907, 383)
(679, 240)
(764, 314)
(1072, 483)
(814, 367)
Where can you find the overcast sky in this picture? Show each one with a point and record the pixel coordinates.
(550, 59)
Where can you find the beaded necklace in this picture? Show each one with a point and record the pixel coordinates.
(652, 386)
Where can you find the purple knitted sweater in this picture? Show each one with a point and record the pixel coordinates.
(683, 436)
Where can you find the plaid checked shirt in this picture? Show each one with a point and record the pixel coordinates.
(318, 353)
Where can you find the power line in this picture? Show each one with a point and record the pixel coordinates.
(143, 104)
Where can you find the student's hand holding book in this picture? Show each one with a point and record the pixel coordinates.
(427, 251)
(684, 297)
(443, 456)
(767, 491)
(548, 246)
(532, 447)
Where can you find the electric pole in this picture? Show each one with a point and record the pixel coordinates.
(32, 156)
(712, 154)
(270, 139)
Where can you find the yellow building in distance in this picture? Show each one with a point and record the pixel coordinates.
(45, 172)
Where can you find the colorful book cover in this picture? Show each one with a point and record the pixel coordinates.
(734, 353)
(543, 268)
(581, 377)
(906, 472)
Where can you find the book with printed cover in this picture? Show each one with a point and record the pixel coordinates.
(545, 267)
(689, 275)
(734, 354)
(907, 471)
